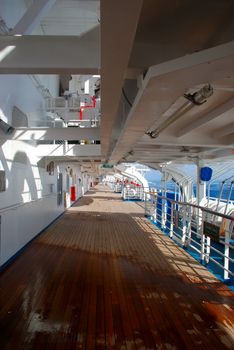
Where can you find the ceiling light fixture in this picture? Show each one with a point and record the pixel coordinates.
(181, 111)
(197, 98)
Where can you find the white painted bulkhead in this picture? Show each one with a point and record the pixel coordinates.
(29, 202)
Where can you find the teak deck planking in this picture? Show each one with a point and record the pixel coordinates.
(103, 277)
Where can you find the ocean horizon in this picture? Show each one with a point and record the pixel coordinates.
(214, 189)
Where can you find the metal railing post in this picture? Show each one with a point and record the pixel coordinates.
(226, 255)
(184, 228)
(162, 214)
(172, 219)
(207, 255)
(145, 197)
(156, 209)
(189, 225)
(202, 252)
(202, 241)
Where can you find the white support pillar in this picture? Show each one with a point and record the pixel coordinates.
(172, 220)
(189, 226)
(226, 255)
(164, 210)
(201, 193)
(201, 185)
(184, 228)
(207, 255)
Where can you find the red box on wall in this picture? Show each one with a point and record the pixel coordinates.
(73, 193)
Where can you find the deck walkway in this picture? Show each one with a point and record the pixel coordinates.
(103, 277)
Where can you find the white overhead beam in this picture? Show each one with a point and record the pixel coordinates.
(226, 130)
(163, 153)
(215, 113)
(50, 54)
(164, 84)
(34, 134)
(32, 17)
(69, 151)
(229, 139)
(208, 57)
(118, 27)
(74, 159)
(193, 140)
(218, 153)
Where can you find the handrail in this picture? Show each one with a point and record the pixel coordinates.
(187, 227)
(223, 200)
(225, 216)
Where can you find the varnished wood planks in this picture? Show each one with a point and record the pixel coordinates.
(103, 277)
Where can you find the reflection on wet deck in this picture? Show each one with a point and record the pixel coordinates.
(103, 277)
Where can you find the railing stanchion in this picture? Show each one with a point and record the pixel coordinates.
(184, 229)
(197, 230)
(189, 225)
(163, 213)
(145, 204)
(202, 253)
(156, 209)
(226, 255)
(172, 219)
(207, 257)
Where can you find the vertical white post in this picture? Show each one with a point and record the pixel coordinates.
(207, 258)
(155, 209)
(172, 219)
(201, 194)
(147, 204)
(184, 225)
(202, 253)
(226, 255)
(66, 111)
(164, 211)
(163, 214)
(86, 87)
(189, 225)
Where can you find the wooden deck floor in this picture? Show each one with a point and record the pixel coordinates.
(103, 277)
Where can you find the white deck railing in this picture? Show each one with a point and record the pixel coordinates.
(206, 232)
(133, 193)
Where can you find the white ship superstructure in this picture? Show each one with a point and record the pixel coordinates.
(89, 89)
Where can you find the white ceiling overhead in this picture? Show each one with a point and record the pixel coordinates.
(70, 17)
(166, 48)
(178, 48)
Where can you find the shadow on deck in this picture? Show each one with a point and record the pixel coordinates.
(103, 277)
